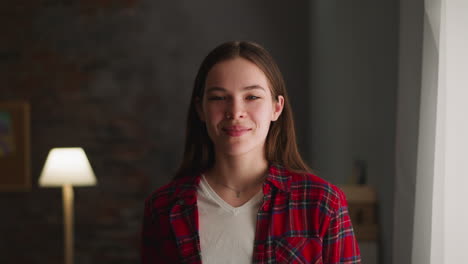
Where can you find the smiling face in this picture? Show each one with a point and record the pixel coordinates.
(237, 107)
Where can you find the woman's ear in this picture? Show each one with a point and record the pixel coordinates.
(199, 108)
(278, 105)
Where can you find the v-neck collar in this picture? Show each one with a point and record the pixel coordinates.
(206, 188)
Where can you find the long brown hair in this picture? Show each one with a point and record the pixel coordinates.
(280, 145)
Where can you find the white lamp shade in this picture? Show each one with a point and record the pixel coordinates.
(67, 166)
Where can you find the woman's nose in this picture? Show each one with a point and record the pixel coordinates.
(235, 110)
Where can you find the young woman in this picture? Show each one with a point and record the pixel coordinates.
(243, 194)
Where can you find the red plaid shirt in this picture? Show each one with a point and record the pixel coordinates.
(303, 219)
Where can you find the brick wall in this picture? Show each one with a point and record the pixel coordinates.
(114, 77)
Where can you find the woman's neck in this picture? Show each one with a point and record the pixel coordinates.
(239, 171)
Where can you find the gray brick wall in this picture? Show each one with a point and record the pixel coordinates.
(114, 77)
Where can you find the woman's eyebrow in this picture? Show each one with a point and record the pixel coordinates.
(253, 87)
(215, 88)
(221, 89)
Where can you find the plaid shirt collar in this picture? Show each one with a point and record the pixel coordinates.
(278, 178)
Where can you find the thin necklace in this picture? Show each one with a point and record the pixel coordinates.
(238, 192)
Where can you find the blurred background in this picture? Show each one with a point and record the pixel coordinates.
(115, 76)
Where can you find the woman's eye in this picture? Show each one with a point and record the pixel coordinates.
(252, 97)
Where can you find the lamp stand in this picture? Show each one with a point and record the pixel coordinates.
(67, 195)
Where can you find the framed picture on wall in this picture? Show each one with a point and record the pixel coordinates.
(15, 169)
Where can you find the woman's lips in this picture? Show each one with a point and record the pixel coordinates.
(236, 131)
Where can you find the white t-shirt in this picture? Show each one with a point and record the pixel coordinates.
(226, 233)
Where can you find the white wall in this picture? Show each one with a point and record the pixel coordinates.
(455, 214)
(440, 216)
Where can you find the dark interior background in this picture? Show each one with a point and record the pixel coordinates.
(114, 77)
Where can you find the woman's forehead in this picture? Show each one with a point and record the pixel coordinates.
(236, 73)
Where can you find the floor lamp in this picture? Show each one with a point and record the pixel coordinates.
(67, 167)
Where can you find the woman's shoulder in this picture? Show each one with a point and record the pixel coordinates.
(315, 187)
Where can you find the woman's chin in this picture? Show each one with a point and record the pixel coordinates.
(237, 150)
